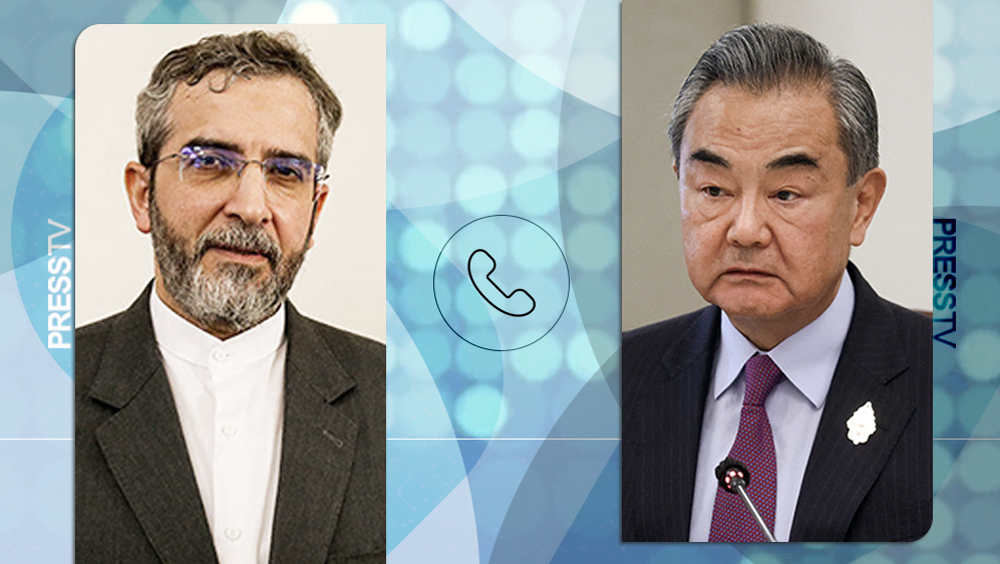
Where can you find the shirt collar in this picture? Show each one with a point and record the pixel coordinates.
(193, 344)
(807, 358)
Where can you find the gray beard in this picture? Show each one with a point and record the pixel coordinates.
(236, 296)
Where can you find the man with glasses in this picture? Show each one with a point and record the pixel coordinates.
(214, 423)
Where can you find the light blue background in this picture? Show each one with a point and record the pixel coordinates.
(493, 108)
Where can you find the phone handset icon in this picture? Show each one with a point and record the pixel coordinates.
(518, 303)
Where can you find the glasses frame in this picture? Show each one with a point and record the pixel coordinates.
(319, 172)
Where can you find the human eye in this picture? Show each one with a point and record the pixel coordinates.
(786, 195)
(210, 160)
(287, 170)
(712, 191)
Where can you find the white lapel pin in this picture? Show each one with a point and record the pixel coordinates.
(861, 425)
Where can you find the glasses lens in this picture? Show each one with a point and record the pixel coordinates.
(292, 171)
(291, 177)
(214, 167)
(206, 164)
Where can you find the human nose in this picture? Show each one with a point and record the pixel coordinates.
(749, 226)
(248, 200)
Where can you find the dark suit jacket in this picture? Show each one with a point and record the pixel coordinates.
(874, 492)
(136, 496)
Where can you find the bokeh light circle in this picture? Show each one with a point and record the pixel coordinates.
(592, 190)
(592, 245)
(423, 185)
(944, 79)
(481, 134)
(978, 248)
(523, 253)
(425, 133)
(977, 464)
(977, 77)
(314, 12)
(587, 350)
(415, 245)
(480, 410)
(535, 191)
(538, 362)
(944, 24)
(418, 412)
(425, 25)
(425, 78)
(979, 354)
(481, 78)
(534, 134)
(978, 519)
(478, 364)
(978, 296)
(481, 190)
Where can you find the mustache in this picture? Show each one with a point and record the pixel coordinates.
(242, 238)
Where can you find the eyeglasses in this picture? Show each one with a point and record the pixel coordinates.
(214, 168)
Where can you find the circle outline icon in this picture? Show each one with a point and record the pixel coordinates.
(562, 254)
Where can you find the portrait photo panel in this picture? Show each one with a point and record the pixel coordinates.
(796, 157)
(235, 411)
(342, 280)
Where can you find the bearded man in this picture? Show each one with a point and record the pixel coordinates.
(214, 423)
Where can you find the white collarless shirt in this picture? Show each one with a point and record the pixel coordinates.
(807, 359)
(230, 398)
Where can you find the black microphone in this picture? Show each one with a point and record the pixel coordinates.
(734, 477)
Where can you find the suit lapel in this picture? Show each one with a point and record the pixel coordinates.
(317, 452)
(143, 443)
(688, 365)
(839, 473)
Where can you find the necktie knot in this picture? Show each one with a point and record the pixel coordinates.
(761, 376)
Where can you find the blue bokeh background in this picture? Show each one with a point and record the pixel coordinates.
(493, 108)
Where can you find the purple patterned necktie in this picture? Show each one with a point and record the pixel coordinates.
(754, 447)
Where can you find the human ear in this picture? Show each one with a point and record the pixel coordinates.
(322, 191)
(137, 190)
(868, 193)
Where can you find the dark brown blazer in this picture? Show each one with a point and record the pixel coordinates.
(136, 496)
(878, 491)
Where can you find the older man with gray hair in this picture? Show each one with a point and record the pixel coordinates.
(799, 377)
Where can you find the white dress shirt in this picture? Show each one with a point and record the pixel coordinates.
(808, 359)
(229, 396)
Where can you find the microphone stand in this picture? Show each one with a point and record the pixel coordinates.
(734, 478)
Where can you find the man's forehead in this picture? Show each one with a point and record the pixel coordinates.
(221, 81)
(277, 108)
(792, 95)
(795, 113)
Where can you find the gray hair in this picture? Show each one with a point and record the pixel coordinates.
(252, 53)
(762, 58)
